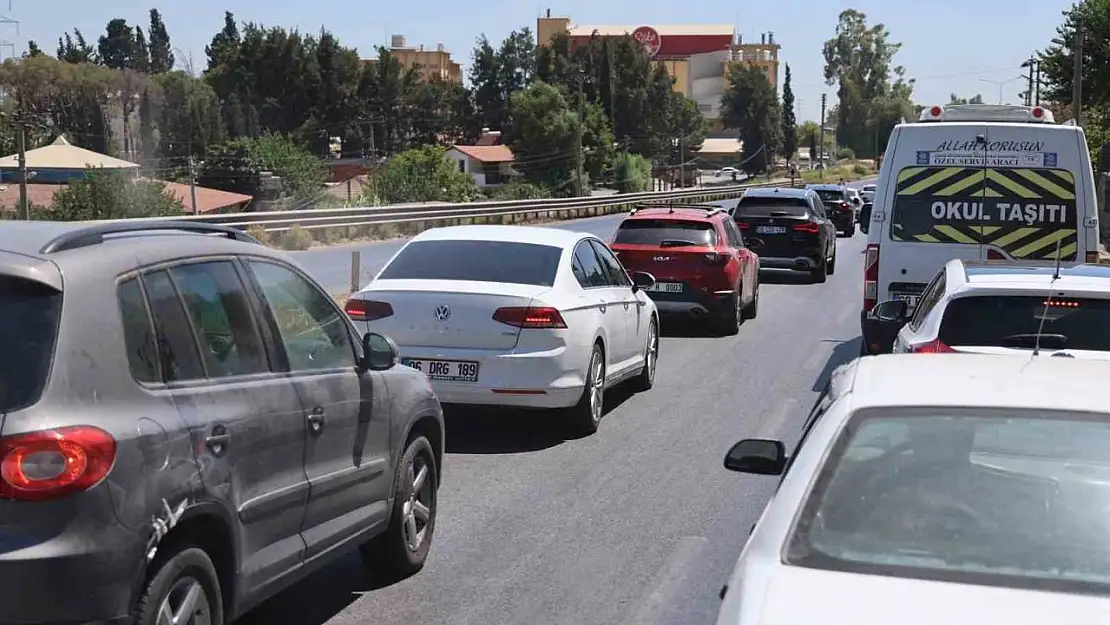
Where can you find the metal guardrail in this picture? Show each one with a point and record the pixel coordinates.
(280, 221)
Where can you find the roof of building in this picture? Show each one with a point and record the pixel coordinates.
(62, 155)
(673, 30)
(721, 146)
(208, 200)
(487, 153)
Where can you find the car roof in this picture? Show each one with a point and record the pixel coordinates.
(1032, 274)
(556, 237)
(982, 381)
(826, 186)
(776, 191)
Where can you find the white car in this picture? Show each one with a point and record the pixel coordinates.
(966, 489)
(1001, 307)
(515, 316)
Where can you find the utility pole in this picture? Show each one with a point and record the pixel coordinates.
(193, 184)
(1037, 85)
(578, 141)
(21, 140)
(821, 149)
(682, 161)
(1029, 92)
(1077, 78)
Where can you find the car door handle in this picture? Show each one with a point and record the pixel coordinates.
(218, 440)
(316, 420)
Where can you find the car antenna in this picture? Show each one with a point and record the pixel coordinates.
(982, 140)
(1047, 302)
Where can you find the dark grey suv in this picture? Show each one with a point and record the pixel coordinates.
(190, 424)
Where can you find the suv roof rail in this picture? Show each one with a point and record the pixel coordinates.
(709, 209)
(94, 234)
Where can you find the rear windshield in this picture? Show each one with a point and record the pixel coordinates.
(830, 196)
(1023, 211)
(480, 261)
(1013, 321)
(28, 330)
(768, 206)
(666, 232)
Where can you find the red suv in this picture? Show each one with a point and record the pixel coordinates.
(699, 260)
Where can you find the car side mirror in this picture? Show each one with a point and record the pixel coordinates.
(891, 311)
(641, 280)
(757, 456)
(754, 243)
(379, 352)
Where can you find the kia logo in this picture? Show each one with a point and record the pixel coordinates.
(661, 259)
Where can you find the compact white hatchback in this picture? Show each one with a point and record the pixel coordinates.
(516, 316)
(944, 489)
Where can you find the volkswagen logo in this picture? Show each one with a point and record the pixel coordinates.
(443, 313)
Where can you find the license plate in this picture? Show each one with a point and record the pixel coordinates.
(909, 298)
(771, 229)
(446, 370)
(667, 287)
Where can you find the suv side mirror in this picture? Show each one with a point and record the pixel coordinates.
(642, 280)
(891, 311)
(379, 352)
(757, 456)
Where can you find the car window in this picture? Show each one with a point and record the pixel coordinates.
(831, 196)
(220, 310)
(614, 270)
(1023, 211)
(929, 299)
(1013, 321)
(593, 273)
(735, 239)
(138, 333)
(312, 328)
(818, 207)
(771, 206)
(29, 316)
(177, 347)
(480, 261)
(935, 494)
(665, 232)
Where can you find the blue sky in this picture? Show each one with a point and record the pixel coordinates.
(949, 46)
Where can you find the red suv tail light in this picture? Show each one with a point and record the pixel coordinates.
(871, 277)
(743, 225)
(530, 317)
(53, 463)
(932, 347)
(809, 227)
(367, 310)
(713, 258)
(844, 206)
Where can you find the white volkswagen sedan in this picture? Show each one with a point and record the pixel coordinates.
(515, 316)
(956, 489)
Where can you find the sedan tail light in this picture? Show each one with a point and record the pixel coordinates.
(809, 227)
(932, 347)
(49, 464)
(531, 317)
(367, 310)
(713, 258)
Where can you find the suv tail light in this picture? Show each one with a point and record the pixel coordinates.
(367, 310)
(713, 258)
(871, 277)
(54, 463)
(932, 347)
(743, 225)
(530, 317)
(809, 227)
(1091, 257)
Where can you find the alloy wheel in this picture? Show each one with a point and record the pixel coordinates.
(416, 511)
(652, 356)
(597, 387)
(185, 604)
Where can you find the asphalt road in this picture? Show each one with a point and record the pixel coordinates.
(638, 524)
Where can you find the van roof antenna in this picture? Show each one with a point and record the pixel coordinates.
(1047, 302)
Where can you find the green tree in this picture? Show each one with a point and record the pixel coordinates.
(117, 47)
(140, 61)
(237, 164)
(74, 49)
(873, 93)
(387, 86)
(106, 194)
(189, 122)
(442, 113)
(424, 174)
(750, 106)
(497, 73)
(33, 49)
(814, 157)
(976, 99)
(1058, 59)
(159, 46)
(789, 121)
(631, 173)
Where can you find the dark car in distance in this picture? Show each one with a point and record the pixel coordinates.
(839, 206)
(793, 226)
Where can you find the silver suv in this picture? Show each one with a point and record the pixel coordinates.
(191, 424)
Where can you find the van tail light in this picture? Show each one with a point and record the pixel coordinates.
(1091, 257)
(713, 258)
(50, 464)
(367, 310)
(932, 347)
(531, 317)
(871, 277)
(809, 227)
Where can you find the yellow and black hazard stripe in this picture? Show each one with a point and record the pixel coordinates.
(973, 183)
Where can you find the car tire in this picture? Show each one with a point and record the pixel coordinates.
(585, 416)
(646, 379)
(752, 309)
(401, 550)
(180, 575)
(832, 264)
(728, 321)
(820, 273)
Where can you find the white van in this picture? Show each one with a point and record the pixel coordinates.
(977, 182)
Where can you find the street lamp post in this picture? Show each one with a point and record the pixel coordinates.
(1002, 84)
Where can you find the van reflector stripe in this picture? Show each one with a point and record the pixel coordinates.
(1053, 190)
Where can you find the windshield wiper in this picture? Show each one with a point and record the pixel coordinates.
(780, 213)
(678, 243)
(1047, 341)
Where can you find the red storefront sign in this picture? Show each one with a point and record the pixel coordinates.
(649, 38)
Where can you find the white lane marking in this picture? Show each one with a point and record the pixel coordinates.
(680, 567)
